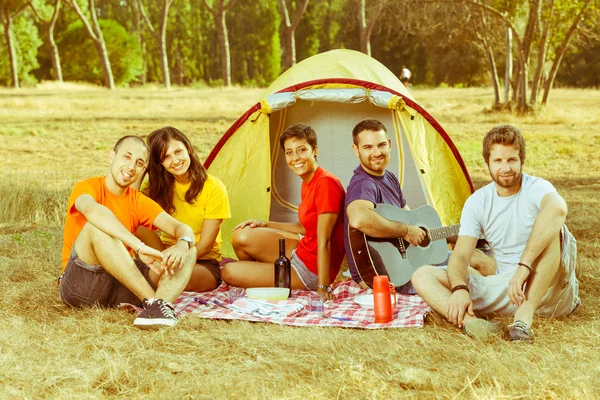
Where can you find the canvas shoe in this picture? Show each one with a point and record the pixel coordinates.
(481, 329)
(520, 332)
(156, 313)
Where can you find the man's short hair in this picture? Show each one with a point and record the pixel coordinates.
(134, 137)
(506, 135)
(367, 125)
(299, 131)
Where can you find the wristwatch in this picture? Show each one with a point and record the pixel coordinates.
(188, 240)
(326, 287)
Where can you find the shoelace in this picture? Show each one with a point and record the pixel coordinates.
(522, 326)
(167, 309)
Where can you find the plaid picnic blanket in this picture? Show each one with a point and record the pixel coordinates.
(341, 312)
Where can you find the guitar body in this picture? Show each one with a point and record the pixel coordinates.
(375, 256)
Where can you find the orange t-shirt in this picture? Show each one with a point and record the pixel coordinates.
(132, 209)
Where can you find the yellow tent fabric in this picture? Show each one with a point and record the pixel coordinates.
(244, 166)
(339, 64)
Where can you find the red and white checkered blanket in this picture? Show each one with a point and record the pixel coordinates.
(342, 312)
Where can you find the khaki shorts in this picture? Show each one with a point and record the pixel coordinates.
(490, 293)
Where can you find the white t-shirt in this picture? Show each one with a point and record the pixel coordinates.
(505, 222)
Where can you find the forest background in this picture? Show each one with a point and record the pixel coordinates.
(251, 42)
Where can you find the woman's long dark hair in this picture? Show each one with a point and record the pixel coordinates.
(162, 183)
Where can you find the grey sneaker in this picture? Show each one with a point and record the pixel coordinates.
(156, 313)
(520, 331)
(481, 329)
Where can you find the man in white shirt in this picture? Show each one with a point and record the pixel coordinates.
(523, 219)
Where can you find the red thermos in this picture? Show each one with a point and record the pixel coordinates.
(382, 299)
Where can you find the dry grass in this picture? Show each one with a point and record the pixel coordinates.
(50, 138)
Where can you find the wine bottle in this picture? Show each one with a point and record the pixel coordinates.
(283, 268)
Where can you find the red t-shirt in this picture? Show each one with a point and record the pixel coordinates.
(131, 209)
(323, 194)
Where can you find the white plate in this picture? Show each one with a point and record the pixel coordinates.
(268, 293)
(366, 300)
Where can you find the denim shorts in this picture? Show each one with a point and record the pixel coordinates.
(308, 278)
(85, 285)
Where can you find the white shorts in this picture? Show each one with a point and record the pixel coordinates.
(490, 293)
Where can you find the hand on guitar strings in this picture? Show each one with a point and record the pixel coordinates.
(415, 235)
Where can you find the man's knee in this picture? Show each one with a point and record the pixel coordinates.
(426, 276)
(483, 263)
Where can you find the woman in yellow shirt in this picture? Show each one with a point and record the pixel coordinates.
(179, 183)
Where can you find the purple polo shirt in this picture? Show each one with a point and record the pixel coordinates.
(376, 189)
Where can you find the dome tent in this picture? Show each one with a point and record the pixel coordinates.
(332, 92)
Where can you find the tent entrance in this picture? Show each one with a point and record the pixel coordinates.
(333, 122)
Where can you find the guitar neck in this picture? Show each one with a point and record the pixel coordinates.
(443, 232)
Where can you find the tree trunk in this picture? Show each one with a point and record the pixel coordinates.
(95, 34)
(10, 45)
(225, 56)
(289, 32)
(164, 57)
(219, 13)
(541, 55)
(365, 44)
(490, 59)
(522, 94)
(105, 61)
(54, 55)
(101, 47)
(560, 52)
(140, 37)
(509, 65)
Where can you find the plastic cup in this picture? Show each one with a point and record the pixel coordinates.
(316, 304)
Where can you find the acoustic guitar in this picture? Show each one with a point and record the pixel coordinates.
(397, 258)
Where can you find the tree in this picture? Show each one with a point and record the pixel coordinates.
(562, 47)
(256, 53)
(489, 52)
(95, 33)
(9, 10)
(49, 26)
(289, 30)
(219, 11)
(366, 25)
(79, 49)
(161, 37)
(540, 19)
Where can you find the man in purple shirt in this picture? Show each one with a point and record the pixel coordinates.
(372, 184)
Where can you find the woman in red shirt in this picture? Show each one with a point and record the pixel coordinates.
(314, 245)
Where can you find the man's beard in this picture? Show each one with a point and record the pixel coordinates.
(507, 184)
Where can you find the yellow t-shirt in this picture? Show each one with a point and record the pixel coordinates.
(211, 203)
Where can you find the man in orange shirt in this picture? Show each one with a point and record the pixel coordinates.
(102, 215)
